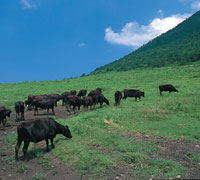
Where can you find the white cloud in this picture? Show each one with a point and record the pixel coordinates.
(81, 45)
(135, 35)
(195, 5)
(27, 4)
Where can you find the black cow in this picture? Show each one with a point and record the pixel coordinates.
(133, 93)
(82, 93)
(99, 89)
(54, 97)
(118, 97)
(32, 98)
(19, 109)
(101, 99)
(43, 104)
(39, 130)
(94, 92)
(88, 101)
(65, 94)
(167, 87)
(3, 114)
(74, 102)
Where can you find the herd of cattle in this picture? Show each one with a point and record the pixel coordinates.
(47, 128)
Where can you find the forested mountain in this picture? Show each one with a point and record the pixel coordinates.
(178, 46)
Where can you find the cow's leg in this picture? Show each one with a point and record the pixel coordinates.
(4, 123)
(74, 109)
(101, 104)
(22, 115)
(19, 142)
(25, 148)
(161, 93)
(34, 111)
(37, 111)
(47, 143)
(135, 98)
(53, 110)
(47, 110)
(52, 145)
(68, 109)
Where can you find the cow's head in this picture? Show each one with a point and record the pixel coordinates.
(107, 102)
(66, 132)
(8, 112)
(142, 94)
(125, 94)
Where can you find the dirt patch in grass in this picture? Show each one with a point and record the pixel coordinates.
(176, 150)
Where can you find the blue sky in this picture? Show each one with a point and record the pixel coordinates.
(53, 40)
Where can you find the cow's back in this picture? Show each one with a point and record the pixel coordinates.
(37, 130)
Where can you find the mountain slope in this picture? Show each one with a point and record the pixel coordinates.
(179, 46)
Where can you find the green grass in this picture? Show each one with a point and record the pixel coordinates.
(196, 157)
(23, 168)
(97, 146)
(39, 177)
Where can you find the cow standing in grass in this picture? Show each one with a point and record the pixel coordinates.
(19, 109)
(118, 97)
(101, 99)
(88, 101)
(65, 94)
(74, 102)
(43, 104)
(167, 87)
(133, 93)
(39, 130)
(82, 93)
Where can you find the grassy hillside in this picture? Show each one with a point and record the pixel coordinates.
(103, 139)
(179, 46)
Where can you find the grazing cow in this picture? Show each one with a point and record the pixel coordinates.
(82, 93)
(65, 94)
(88, 101)
(102, 99)
(133, 93)
(118, 97)
(39, 130)
(43, 104)
(167, 87)
(19, 109)
(74, 101)
(3, 114)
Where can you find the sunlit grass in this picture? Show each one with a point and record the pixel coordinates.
(98, 142)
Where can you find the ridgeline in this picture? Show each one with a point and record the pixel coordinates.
(178, 46)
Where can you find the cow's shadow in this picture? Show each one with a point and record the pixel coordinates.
(33, 154)
(37, 152)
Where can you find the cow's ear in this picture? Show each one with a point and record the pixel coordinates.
(67, 127)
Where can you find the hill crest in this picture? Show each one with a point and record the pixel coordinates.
(178, 46)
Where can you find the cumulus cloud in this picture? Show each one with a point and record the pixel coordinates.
(195, 5)
(135, 35)
(27, 4)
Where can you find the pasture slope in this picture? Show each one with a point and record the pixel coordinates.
(157, 137)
